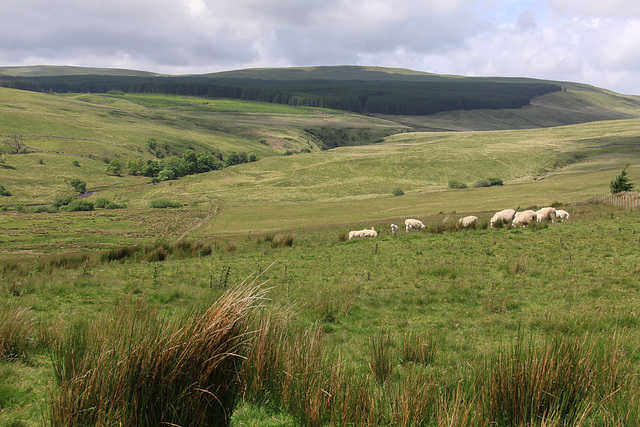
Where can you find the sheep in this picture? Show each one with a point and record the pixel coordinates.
(356, 233)
(562, 215)
(410, 224)
(523, 218)
(468, 221)
(546, 214)
(394, 229)
(506, 216)
(367, 232)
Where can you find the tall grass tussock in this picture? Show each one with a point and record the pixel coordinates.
(135, 368)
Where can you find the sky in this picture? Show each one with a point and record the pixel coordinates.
(587, 41)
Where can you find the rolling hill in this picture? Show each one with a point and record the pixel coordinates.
(315, 166)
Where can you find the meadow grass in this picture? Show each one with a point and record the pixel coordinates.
(445, 316)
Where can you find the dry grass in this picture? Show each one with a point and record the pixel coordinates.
(16, 332)
(137, 370)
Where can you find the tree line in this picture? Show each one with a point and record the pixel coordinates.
(375, 97)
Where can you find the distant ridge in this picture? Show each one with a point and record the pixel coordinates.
(418, 99)
(68, 70)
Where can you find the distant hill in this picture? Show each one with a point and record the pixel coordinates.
(63, 70)
(424, 101)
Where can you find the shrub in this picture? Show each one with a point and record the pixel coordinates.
(457, 185)
(78, 205)
(101, 202)
(114, 168)
(398, 192)
(76, 163)
(62, 202)
(164, 203)
(482, 183)
(495, 181)
(166, 175)
(4, 191)
(79, 186)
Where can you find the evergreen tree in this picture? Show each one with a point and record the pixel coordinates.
(621, 183)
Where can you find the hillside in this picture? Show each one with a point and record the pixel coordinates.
(296, 183)
(419, 100)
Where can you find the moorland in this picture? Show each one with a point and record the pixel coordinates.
(485, 326)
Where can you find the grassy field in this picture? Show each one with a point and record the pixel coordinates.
(425, 328)
(473, 292)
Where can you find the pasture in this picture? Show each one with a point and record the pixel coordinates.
(432, 327)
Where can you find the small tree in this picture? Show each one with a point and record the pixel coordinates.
(621, 183)
(114, 168)
(79, 186)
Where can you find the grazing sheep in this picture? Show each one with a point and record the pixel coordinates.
(562, 215)
(523, 218)
(546, 214)
(363, 233)
(468, 221)
(506, 216)
(410, 224)
(394, 229)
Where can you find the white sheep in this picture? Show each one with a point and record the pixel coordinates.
(394, 229)
(468, 221)
(523, 218)
(546, 214)
(355, 233)
(562, 215)
(506, 216)
(367, 232)
(410, 224)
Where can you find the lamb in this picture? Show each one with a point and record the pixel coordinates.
(523, 218)
(394, 229)
(410, 224)
(468, 221)
(506, 216)
(546, 214)
(562, 215)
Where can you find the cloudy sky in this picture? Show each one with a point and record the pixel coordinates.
(588, 41)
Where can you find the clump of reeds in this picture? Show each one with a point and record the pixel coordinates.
(419, 348)
(135, 369)
(281, 241)
(381, 360)
(16, 330)
(556, 384)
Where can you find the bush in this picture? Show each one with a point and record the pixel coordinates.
(164, 203)
(101, 202)
(78, 205)
(398, 192)
(482, 183)
(4, 191)
(166, 175)
(62, 202)
(495, 181)
(79, 186)
(457, 185)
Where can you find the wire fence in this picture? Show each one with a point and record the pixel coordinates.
(625, 201)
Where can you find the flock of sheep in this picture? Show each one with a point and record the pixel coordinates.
(506, 216)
